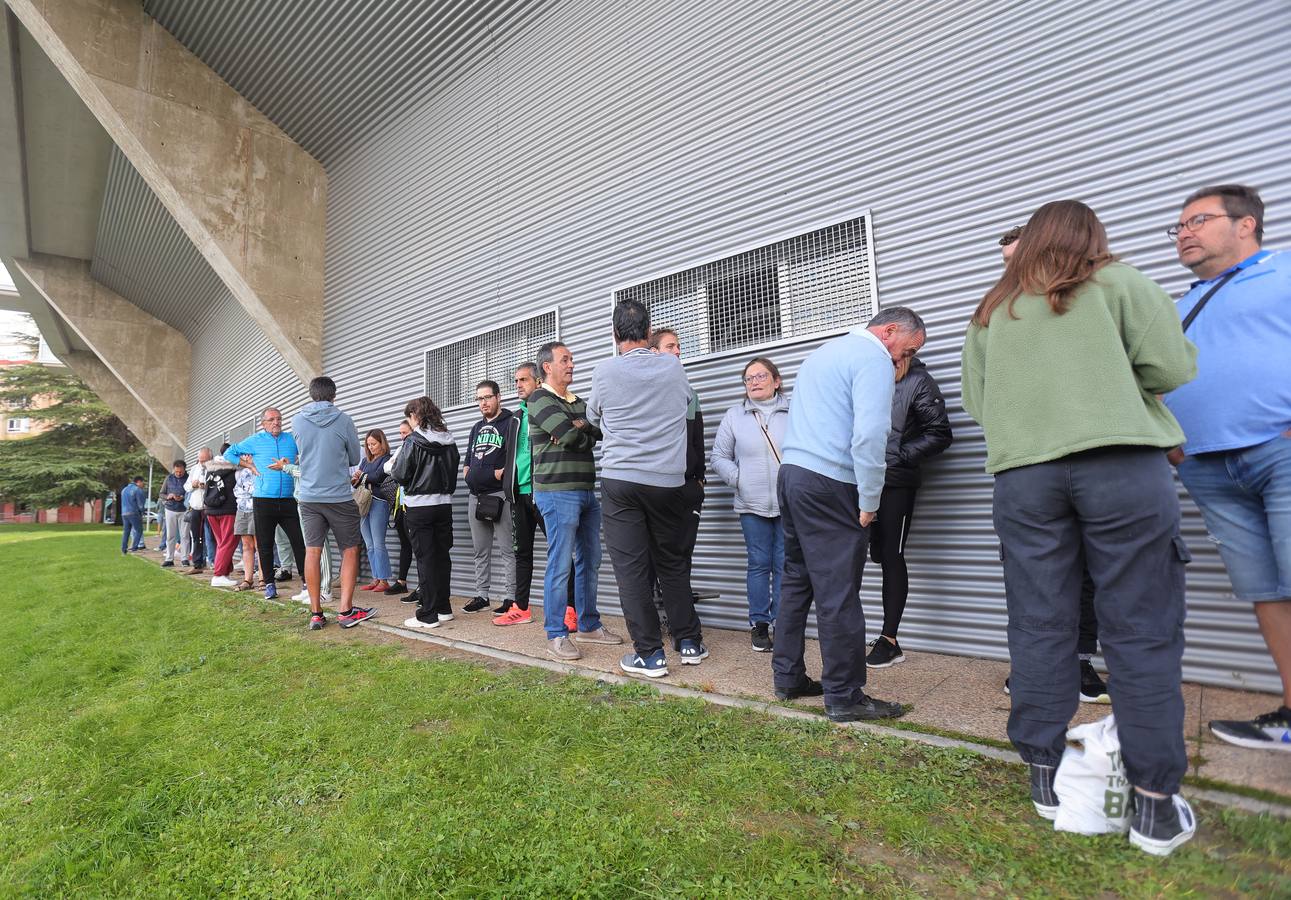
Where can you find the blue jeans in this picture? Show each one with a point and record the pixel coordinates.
(764, 538)
(131, 522)
(1245, 498)
(573, 523)
(373, 526)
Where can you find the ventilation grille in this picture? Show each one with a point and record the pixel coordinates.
(453, 370)
(799, 288)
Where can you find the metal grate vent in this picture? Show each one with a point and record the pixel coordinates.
(799, 288)
(453, 370)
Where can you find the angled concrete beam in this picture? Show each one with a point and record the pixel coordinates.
(250, 199)
(159, 443)
(27, 299)
(150, 360)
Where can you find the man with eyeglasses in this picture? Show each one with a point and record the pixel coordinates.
(487, 509)
(1236, 414)
(273, 501)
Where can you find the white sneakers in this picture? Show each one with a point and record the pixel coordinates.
(415, 622)
(222, 581)
(303, 597)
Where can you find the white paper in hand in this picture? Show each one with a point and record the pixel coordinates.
(1093, 792)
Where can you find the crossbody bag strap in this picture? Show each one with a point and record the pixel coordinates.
(775, 451)
(1205, 298)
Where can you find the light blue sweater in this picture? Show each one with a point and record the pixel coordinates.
(841, 413)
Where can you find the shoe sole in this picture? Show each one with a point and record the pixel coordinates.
(445, 617)
(1101, 698)
(587, 640)
(560, 658)
(694, 660)
(1252, 743)
(352, 622)
(1045, 812)
(316, 627)
(477, 609)
(887, 665)
(1161, 848)
(420, 625)
(648, 673)
(757, 649)
(895, 715)
(506, 624)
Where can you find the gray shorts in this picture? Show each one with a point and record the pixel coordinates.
(342, 518)
(244, 523)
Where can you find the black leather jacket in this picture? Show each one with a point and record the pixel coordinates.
(920, 426)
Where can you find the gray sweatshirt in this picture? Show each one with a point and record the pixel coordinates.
(639, 402)
(328, 445)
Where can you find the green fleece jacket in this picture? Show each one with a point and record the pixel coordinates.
(1044, 386)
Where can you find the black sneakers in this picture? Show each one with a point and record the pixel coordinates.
(808, 687)
(477, 604)
(1042, 793)
(1160, 824)
(867, 708)
(760, 637)
(1092, 687)
(414, 597)
(1271, 731)
(884, 653)
(396, 587)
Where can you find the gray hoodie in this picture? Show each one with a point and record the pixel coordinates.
(328, 445)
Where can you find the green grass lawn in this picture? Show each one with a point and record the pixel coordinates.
(160, 738)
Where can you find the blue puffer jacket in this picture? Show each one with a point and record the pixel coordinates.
(264, 448)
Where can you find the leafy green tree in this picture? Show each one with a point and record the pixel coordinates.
(87, 452)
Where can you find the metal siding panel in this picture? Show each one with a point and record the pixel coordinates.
(601, 146)
(329, 71)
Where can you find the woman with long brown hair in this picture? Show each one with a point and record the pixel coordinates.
(1063, 363)
(371, 472)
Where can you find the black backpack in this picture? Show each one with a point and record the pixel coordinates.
(215, 496)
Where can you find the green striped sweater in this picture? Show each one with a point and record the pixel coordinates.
(562, 453)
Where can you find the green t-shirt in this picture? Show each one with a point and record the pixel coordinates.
(524, 455)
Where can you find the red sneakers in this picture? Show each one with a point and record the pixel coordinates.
(514, 616)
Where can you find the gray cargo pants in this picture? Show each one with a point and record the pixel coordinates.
(482, 539)
(1115, 510)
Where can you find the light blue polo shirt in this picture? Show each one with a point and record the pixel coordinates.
(1241, 396)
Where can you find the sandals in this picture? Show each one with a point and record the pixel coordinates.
(244, 585)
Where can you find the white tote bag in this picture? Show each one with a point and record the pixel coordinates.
(1093, 791)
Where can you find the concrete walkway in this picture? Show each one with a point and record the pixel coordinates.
(951, 695)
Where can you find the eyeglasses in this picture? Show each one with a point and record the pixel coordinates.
(484, 398)
(758, 378)
(1194, 224)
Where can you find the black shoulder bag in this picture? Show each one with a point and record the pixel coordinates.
(1205, 298)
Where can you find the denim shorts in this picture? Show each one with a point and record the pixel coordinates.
(1245, 498)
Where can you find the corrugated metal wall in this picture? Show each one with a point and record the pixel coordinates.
(330, 71)
(608, 144)
(142, 254)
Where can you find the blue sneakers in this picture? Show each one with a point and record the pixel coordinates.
(271, 591)
(653, 666)
(693, 653)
